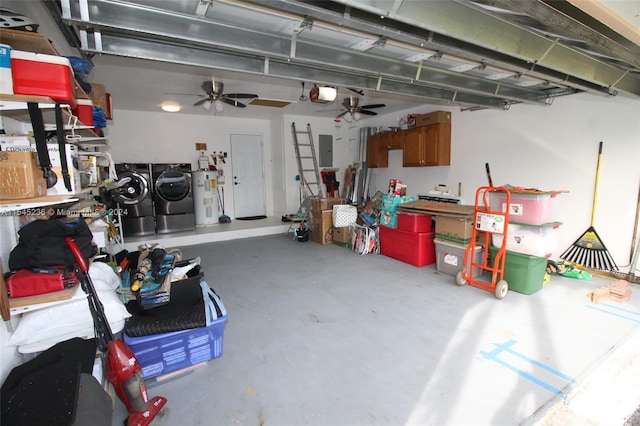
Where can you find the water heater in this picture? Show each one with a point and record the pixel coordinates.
(205, 197)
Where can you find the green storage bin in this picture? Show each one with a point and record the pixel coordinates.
(524, 273)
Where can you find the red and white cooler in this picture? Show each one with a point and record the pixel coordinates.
(37, 74)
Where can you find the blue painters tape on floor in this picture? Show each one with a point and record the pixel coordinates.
(506, 347)
(595, 308)
(621, 309)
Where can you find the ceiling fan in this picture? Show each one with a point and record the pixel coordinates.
(353, 111)
(215, 96)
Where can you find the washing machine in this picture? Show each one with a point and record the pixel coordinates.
(133, 197)
(173, 198)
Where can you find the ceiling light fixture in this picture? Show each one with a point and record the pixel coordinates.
(170, 107)
(218, 105)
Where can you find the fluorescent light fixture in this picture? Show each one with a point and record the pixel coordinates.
(203, 5)
(170, 107)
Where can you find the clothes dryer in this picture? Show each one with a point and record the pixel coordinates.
(134, 199)
(173, 198)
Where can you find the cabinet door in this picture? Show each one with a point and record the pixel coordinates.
(377, 154)
(437, 150)
(397, 139)
(427, 146)
(412, 153)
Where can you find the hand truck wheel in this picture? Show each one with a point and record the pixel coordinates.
(459, 279)
(502, 288)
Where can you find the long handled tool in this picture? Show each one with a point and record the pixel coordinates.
(123, 369)
(635, 252)
(589, 250)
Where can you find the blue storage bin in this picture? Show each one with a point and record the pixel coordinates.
(160, 354)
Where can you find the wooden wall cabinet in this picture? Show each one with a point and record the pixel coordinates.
(392, 140)
(377, 153)
(427, 146)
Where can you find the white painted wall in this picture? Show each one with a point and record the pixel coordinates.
(145, 137)
(549, 148)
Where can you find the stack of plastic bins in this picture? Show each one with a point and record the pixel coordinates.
(453, 235)
(411, 242)
(531, 238)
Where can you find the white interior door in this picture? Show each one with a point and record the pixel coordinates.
(248, 176)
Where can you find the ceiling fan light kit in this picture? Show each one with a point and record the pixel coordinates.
(353, 112)
(215, 97)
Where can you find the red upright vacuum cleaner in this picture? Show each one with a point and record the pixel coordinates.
(123, 369)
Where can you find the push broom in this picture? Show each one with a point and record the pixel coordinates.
(589, 250)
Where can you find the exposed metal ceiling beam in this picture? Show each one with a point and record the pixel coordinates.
(604, 40)
(467, 22)
(133, 30)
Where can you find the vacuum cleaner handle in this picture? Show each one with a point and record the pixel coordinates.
(77, 253)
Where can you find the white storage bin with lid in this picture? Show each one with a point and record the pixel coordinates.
(533, 240)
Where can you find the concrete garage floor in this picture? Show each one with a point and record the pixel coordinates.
(319, 335)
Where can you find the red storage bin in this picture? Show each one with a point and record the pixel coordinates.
(415, 222)
(38, 74)
(416, 248)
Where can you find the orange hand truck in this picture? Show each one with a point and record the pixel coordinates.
(487, 223)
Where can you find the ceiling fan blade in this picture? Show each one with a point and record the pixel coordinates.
(207, 86)
(358, 91)
(184, 94)
(201, 101)
(341, 114)
(373, 106)
(240, 95)
(367, 112)
(233, 102)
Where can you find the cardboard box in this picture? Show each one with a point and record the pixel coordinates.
(98, 95)
(17, 143)
(342, 235)
(454, 228)
(432, 118)
(322, 227)
(25, 144)
(20, 176)
(74, 173)
(318, 204)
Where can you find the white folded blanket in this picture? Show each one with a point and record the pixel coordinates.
(40, 329)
